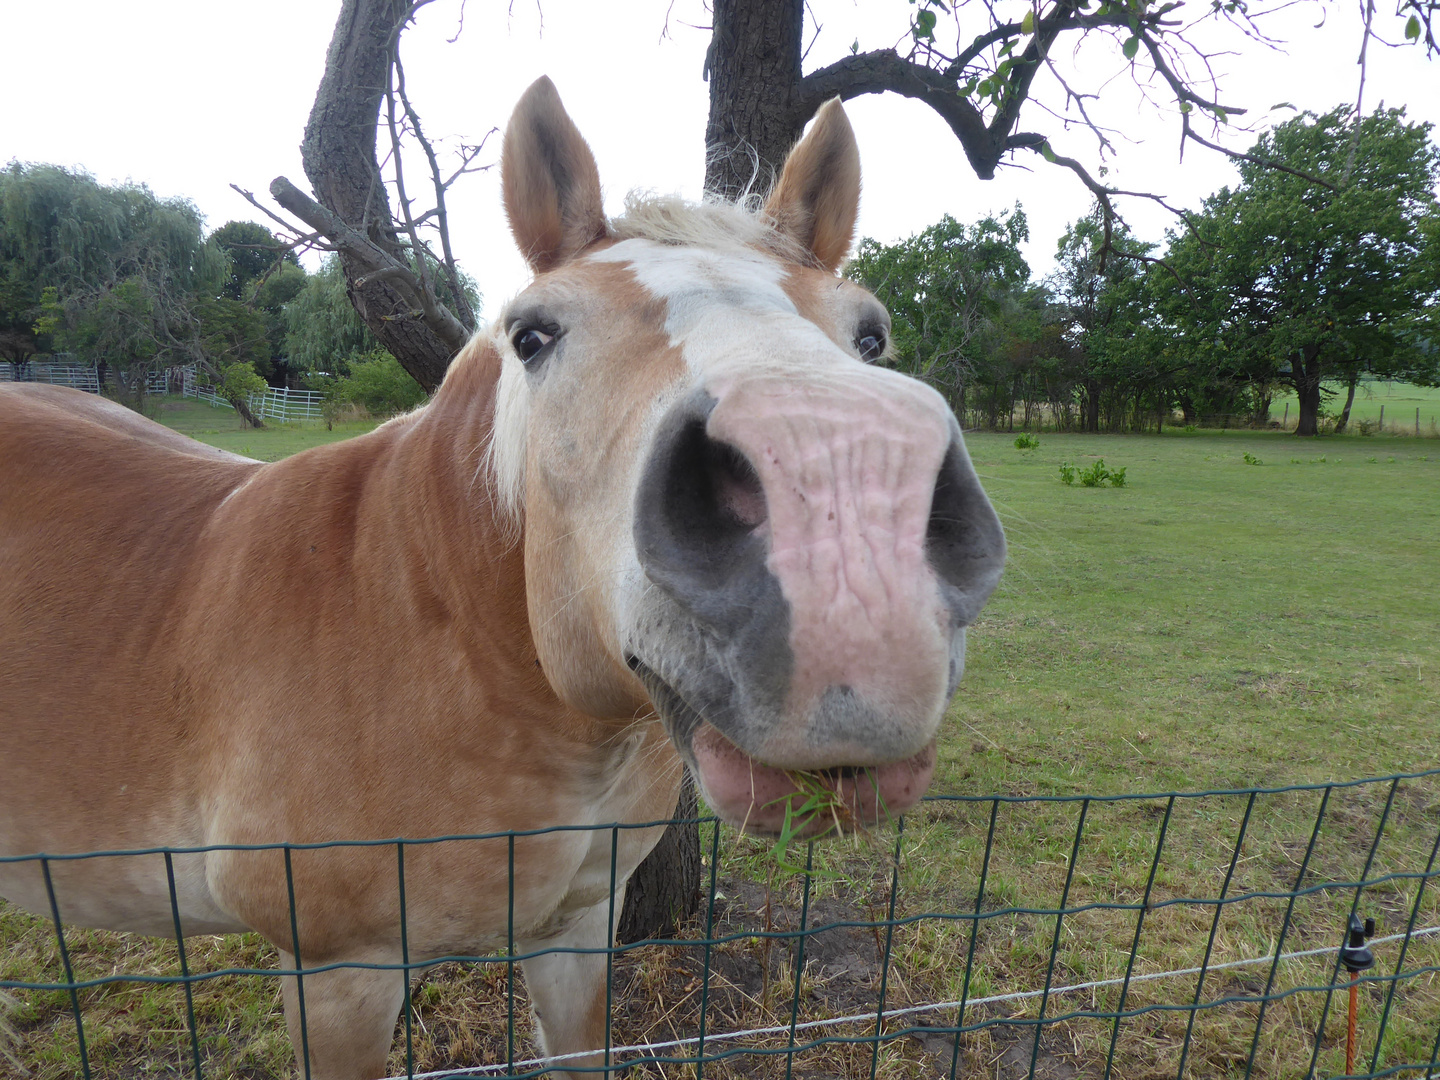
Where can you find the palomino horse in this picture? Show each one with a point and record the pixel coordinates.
(666, 483)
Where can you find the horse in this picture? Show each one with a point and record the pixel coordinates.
(666, 511)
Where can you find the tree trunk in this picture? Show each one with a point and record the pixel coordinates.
(340, 162)
(754, 70)
(1349, 401)
(1261, 417)
(753, 65)
(1307, 388)
(664, 891)
(1092, 406)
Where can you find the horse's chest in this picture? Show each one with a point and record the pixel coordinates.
(604, 856)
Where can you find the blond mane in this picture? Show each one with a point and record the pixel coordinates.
(715, 224)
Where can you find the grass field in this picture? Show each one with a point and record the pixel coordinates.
(1398, 400)
(1213, 624)
(223, 428)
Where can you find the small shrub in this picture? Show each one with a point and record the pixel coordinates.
(1095, 475)
(1367, 426)
(1026, 441)
(1251, 459)
(380, 384)
(1190, 429)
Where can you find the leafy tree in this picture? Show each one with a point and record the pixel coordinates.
(113, 272)
(254, 253)
(232, 332)
(322, 328)
(378, 382)
(949, 290)
(237, 382)
(1302, 283)
(1124, 364)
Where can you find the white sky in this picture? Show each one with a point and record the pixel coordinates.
(189, 96)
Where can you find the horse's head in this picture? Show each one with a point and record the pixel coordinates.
(727, 508)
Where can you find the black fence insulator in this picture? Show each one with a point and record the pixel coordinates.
(1355, 955)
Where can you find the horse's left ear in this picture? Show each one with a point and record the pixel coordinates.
(818, 196)
(549, 179)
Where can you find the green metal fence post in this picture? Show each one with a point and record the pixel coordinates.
(184, 966)
(69, 972)
(299, 967)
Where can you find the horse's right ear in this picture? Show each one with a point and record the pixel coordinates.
(551, 185)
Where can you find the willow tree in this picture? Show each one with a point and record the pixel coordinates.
(110, 273)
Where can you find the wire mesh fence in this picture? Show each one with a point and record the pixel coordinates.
(1170, 935)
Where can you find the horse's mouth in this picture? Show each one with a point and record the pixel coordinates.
(770, 801)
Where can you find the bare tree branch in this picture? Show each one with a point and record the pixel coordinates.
(372, 257)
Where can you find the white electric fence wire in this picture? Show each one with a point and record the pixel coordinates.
(889, 1014)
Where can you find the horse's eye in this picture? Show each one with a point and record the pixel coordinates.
(871, 346)
(528, 341)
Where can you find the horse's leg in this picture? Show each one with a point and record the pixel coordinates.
(568, 989)
(349, 1020)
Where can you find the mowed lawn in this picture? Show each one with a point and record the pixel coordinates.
(1213, 624)
(1399, 402)
(223, 428)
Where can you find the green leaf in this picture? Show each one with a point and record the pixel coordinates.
(1027, 24)
(855, 46)
(1412, 28)
(1130, 48)
(924, 24)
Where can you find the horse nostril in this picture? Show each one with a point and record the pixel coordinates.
(963, 538)
(698, 511)
(734, 485)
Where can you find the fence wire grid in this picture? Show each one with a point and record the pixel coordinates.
(1165, 935)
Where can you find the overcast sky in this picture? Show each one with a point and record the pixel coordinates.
(190, 96)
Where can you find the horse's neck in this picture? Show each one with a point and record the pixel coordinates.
(440, 527)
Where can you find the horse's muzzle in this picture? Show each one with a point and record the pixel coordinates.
(817, 556)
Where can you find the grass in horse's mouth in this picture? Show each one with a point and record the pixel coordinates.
(821, 799)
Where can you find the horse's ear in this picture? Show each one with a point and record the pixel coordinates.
(551, 185)
(818, 196)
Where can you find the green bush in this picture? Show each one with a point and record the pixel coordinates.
(1096, 475)
(1026, 441)
(1251, 459)
(238, 382)
(379, 384)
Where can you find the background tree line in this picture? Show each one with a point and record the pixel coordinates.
(1307, 279)
(129, 283)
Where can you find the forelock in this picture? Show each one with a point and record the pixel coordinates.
(714, 224)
